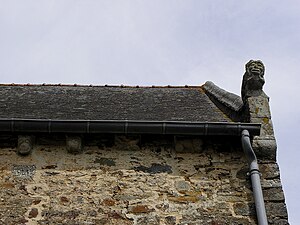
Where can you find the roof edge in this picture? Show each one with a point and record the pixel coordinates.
(228, 99)
(231, 104)
(101, 85)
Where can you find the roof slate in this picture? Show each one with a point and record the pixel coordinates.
(108, 103)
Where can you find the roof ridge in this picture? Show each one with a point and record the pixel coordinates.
(105, 85)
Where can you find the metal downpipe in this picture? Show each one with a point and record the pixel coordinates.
(255, 179)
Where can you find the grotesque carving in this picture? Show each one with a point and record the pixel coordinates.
(253, 80)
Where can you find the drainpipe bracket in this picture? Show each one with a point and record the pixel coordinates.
(254, 171)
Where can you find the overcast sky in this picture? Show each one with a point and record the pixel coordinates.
(161, 42)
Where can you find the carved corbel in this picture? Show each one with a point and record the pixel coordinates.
(74, 144)
(25, 144)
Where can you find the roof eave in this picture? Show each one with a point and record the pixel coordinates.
(13, 125)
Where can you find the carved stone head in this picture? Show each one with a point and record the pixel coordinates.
(253, 80)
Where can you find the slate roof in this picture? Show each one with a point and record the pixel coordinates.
(65, 102)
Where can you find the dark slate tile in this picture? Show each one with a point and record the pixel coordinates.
(108, 103)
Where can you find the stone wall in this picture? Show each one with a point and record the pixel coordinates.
(158, 181)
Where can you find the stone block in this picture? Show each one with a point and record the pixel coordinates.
(33, 213)
(137, 209)
(265, 147)
(273, 194)
(269, 170)
(149, 220)
(24, 171)
(279, 221)
(258, 106)
(182, 186)
(276, 210)
(244, 209)
(74, 144)
(170, 220)
(274, 183)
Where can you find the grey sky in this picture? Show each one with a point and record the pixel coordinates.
(161, 42)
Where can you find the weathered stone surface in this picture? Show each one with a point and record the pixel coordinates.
(259, 107)
(74, 144)
(140, 209)
(273, 194)
(182, 186)
(244, 209)
(278, 221)
(231, 104)
(33, 213)
(253, 80)
(170, 220)
(258, 111)
(25, 144)
(230, 100)
(269, 170)
(274, 183)
(148, 220)
(214, 220)
(265, 147)
(23, 171)
(276, 210)
(110, 186)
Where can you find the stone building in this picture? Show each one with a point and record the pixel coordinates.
(138, 155)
